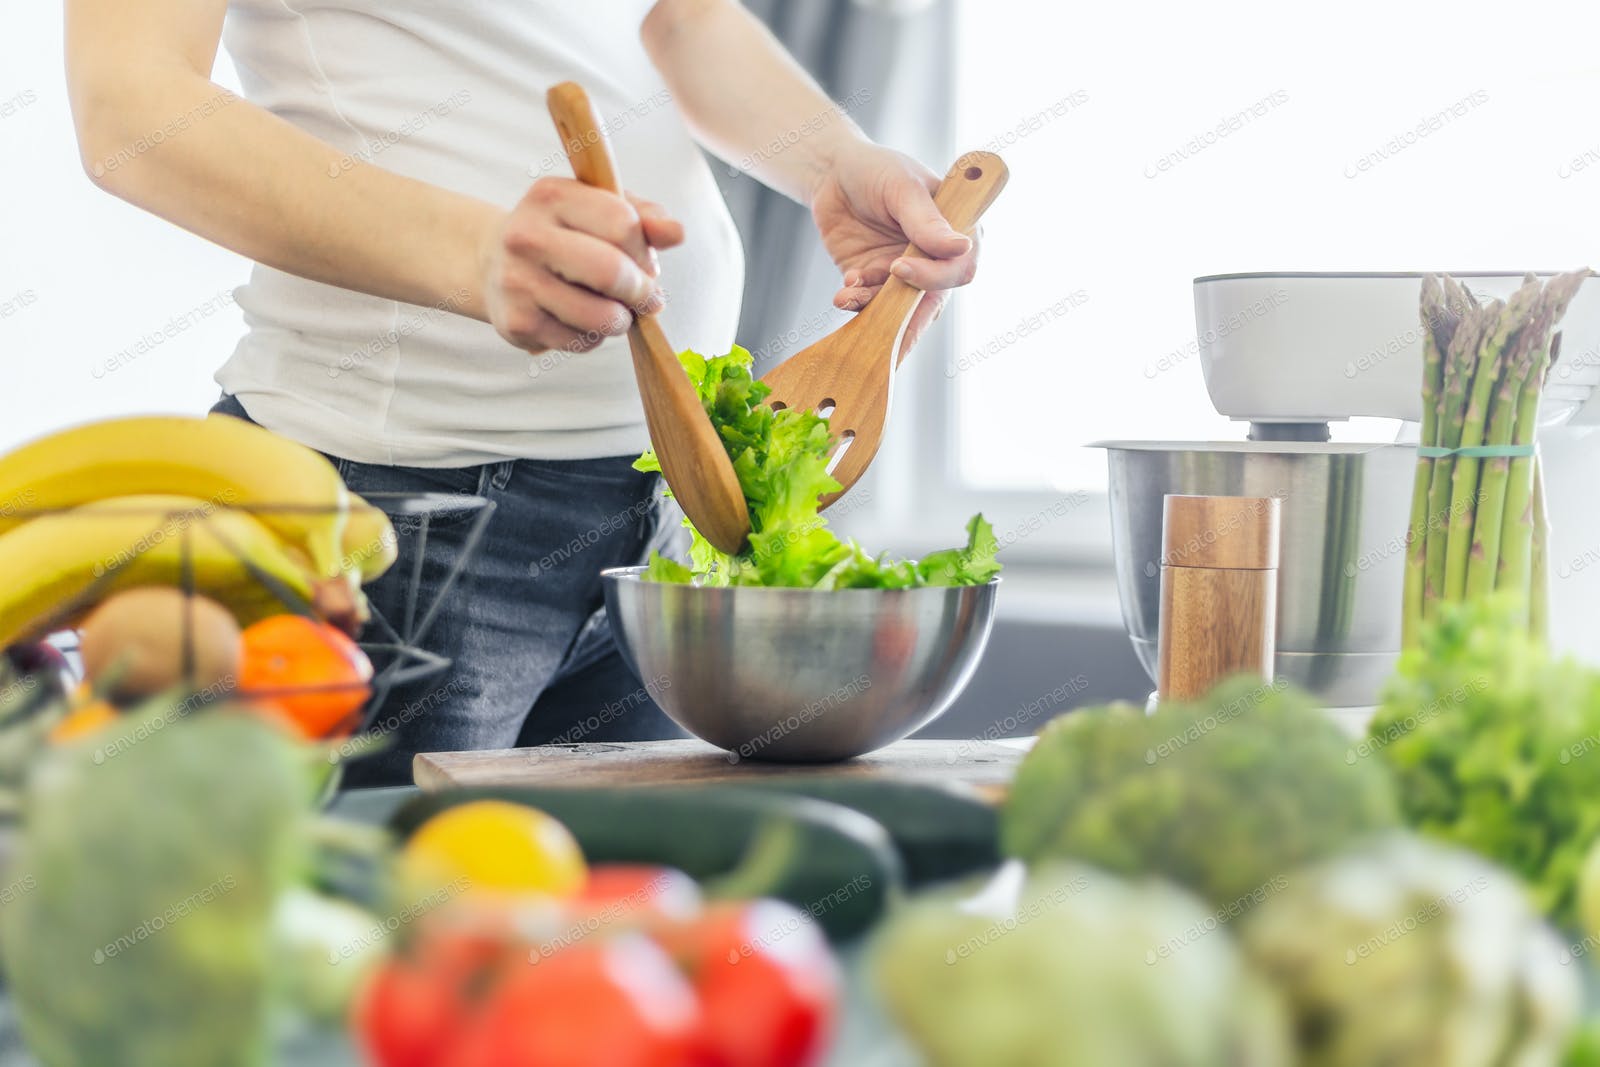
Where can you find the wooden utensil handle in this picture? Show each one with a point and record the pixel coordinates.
(582, 136)
(969, 187)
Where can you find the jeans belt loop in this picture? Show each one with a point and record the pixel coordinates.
(501, 474)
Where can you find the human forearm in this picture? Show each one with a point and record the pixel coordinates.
(244, 178)
(745, 97)
(564, 267)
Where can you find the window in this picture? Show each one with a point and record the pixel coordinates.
(1151, 143)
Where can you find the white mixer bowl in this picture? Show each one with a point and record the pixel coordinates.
(1319, 347)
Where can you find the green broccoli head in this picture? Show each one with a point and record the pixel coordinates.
(1224, 795)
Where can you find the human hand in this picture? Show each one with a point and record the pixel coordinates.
(570, 265)
(868, 207)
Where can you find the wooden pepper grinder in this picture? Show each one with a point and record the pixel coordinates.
(1219, 591)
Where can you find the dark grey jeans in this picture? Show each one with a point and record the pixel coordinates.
(525, 627)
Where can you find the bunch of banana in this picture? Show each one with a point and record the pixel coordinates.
(256, 521)
(57, 564)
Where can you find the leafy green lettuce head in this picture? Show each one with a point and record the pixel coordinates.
(781, 459)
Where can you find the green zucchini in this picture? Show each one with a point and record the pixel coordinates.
(834, 863)
(941, 832)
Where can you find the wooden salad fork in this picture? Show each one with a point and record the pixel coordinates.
(849, 375)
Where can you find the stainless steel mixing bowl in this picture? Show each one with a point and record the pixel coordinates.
(1345, 509)
(799, 675)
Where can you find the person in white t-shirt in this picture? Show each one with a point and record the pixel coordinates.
(438, 306)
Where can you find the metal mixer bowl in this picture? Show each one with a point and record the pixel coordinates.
(799, 675)
(1344, 519)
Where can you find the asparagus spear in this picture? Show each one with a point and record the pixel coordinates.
(1539, 583)
(1457, 376)
(1488, 368)
(1437, 326)
(1539, 577)
(1525, 356)
(1515, 571)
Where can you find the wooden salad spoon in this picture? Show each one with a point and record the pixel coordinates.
(693, 459)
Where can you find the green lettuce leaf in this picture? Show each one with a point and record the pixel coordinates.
(781, 460)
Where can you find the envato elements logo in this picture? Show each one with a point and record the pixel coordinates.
(1229, 124)
(1021, 717)
(608, 128)
(155, 138)
(1221, 917)
(1037, 521)
(1213, 720)
(174, 524)
(151, 341)
(1025, 327)
(593, 922)
(1570, 365)
(1395, 546)
(170, 917)
(1400, 342)
(24, 299)
(178, 709)
(787, 140)
(786, 340)
(1580, 163)
(1421, 917)
(385, 341)
(1429, 124)
(19, 503)
(414, 709)
(379, 931)
(409, 128)
(611, 711)
(18, 103)
(1211, 535)
(772, 935)
(1401, 727)
(1232, 324)
(1037, 121)
(545, 362)
(1012, 923)
(19, 686)
(810, 713)
(1578, 564)
(627, 519)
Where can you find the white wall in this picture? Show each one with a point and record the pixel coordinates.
(85, 278)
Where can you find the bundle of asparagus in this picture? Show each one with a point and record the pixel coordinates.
(1477, 513)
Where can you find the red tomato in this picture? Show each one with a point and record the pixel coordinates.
(404, 1018)
(768, 985)
(617, 1002)
(414, 1008)
(620, 891)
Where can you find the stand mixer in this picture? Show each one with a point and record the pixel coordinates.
(1289, 353)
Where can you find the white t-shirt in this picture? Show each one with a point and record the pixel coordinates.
(453, 93)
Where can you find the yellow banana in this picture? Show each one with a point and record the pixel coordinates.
(225, 461)
(370, 543)
(53, 566)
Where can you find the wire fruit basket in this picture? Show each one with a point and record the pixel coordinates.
(239, 556)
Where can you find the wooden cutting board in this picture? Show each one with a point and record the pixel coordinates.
(987, 766)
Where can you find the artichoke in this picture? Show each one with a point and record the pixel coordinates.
(1224, 796)
(1070, 974)
(1414, 954)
